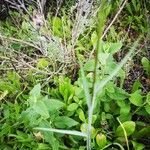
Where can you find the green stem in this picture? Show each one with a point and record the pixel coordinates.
(121, 148)
(125, 134)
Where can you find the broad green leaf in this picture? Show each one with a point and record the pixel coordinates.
(36, 91)
(119, 94)
(138, 146)
(49, 136)
(84, 128)
(125, 109)
(94, 39)
(148, 98)
(105, 47)
(129, 127)
(40, 108)
(140, 123)
(81, 115)
(79, 92)
(110, 66)
(121, 103)
(137, 84)
(66, 94)
(66, 89)
(110, 87)
(72, 107)
(53, 104)
(43, 146)
(89, 65)
(51, 140)
(103, 58)
(64, 122)
(30, 116)
(125, 117)
(70, 98)
(145, 63)
(136, 98)
(103, 116)
(35, 94)
(115, 47)
(100, 85)
(107, 107)
(94, 117)
(145, 132)
(76, 99)
(109, 116)
(147, 108)
(101, 140)
(120, 140)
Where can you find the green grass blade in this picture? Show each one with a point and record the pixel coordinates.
(100, 85)
(77, 133)
(129, 55)
(85, 86)
(89, 102)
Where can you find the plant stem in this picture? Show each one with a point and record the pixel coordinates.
(125, 134)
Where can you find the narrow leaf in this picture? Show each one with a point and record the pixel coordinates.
(77, 133)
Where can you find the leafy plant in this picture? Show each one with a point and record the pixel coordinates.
(92, 111)
(146, 66)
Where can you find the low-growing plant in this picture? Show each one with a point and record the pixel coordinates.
(146, 66)
(93, 112)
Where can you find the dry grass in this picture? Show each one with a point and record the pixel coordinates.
(60, 52)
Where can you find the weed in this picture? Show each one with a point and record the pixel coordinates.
(42, 108)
